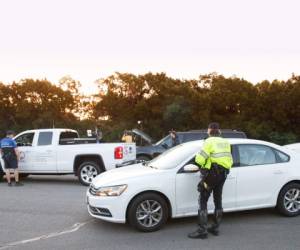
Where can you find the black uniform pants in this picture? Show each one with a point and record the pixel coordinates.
(214, 183)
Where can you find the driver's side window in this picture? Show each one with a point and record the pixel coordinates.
(25, 140)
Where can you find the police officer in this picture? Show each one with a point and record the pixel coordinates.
(10, 155)
(215, 161)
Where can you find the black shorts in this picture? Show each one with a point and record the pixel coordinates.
(10, 163)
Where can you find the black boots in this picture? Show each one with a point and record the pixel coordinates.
(201, 232)
(214, 228)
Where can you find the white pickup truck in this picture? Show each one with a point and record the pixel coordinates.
(61, 151)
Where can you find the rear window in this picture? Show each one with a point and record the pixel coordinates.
(66, 137)
(45, 138)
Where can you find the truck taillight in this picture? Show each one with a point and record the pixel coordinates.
(119, 153)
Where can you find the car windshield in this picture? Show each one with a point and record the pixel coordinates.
(173, 157)
(160, 141)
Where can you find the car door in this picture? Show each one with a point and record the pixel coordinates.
(260, 175)
(187, 193)
(45, 153)
(25, 144)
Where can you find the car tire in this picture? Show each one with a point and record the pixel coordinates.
(87, 171)
(288, 198)
(153, 207)
(143, 158)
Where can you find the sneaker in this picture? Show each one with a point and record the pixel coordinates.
(9, 184)
(18, 184)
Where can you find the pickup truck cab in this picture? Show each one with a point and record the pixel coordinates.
(61, 151)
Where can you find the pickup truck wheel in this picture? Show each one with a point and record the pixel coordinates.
(87, 171)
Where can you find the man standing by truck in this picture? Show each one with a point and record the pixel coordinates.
(215, 161)
(10, 156)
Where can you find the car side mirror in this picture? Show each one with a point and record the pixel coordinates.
(191, 168)
(20, 144)
(164, 145)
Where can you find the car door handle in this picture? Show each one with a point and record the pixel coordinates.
(278, 172)
(230, 177)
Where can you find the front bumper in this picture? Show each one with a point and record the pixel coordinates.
(111, 209)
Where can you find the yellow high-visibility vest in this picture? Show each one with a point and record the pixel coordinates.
(215, 150)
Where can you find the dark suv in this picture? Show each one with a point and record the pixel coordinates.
(152, 150)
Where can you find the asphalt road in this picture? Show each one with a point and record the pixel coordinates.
(50, 213)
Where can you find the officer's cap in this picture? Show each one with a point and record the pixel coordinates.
(214, 125)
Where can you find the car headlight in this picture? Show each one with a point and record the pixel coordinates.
(111, 191)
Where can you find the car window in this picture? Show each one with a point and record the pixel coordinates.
(282, 157)
(45, 138)
(25, 140)
(66, 137)
(251, 154)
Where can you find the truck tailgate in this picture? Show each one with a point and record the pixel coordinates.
(129, 151)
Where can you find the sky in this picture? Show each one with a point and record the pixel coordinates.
(92, 39)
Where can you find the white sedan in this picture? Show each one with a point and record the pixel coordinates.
(146, 195)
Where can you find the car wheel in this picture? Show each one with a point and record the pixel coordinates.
(288, 202)
(148, 212)
(87, 171)
(143, 158)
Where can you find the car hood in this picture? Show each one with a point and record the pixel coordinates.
(145, 136)
(121, 175)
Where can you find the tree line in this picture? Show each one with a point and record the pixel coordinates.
(266, 110)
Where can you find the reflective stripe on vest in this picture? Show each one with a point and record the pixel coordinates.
(205, 155)
(219, 155)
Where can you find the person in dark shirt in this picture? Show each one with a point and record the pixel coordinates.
(10, 156)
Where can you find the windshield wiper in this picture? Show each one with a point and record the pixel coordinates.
(152, 167)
